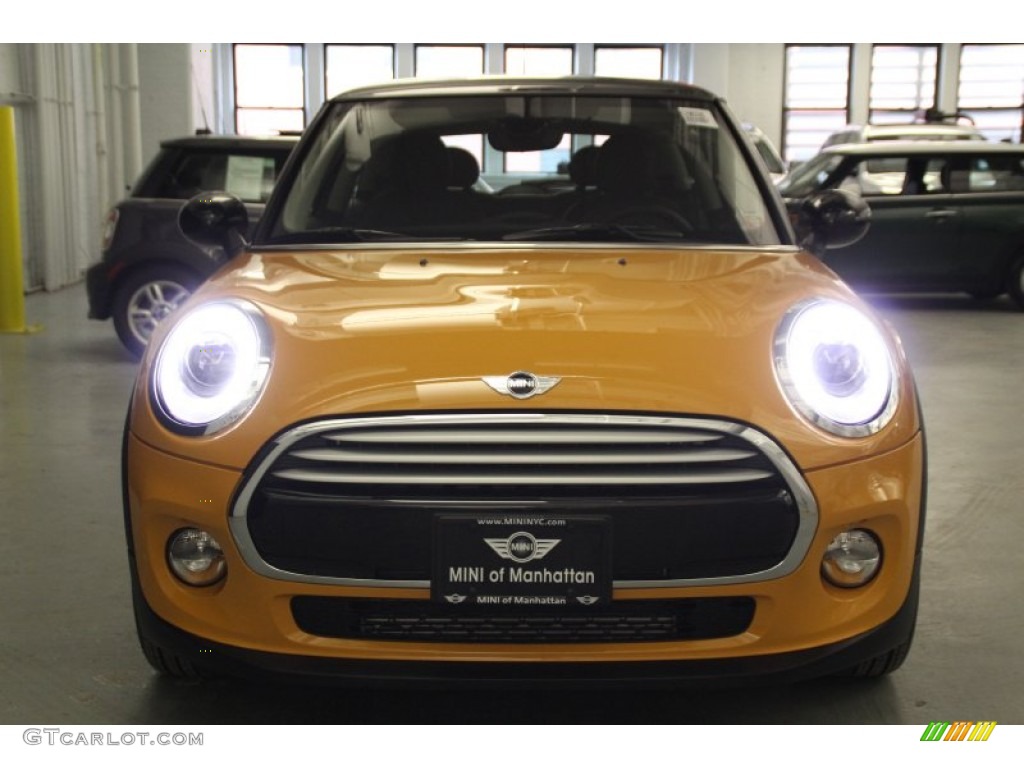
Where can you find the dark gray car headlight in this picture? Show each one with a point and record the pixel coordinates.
(836, 367)
(211, 367)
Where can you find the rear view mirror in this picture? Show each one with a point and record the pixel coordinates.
(519, 134)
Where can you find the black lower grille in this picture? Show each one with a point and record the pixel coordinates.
(686, 499)
(630, 621)
(653, 538)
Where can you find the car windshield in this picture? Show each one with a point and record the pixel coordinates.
(546, 167)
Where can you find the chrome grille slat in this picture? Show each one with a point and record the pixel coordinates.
(520, 478)
(503, 450)
(508, 435)
(690, 456)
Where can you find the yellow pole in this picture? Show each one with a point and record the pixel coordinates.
(12, 293)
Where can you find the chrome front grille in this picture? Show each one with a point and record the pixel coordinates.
(522, 451)
(692, 501)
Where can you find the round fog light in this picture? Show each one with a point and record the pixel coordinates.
(852, 559)
(195, 557)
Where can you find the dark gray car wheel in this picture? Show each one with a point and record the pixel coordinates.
(145, 298)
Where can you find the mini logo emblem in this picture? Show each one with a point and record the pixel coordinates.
(521, 384)
(455, 598)
(588, 599)
(522, 547)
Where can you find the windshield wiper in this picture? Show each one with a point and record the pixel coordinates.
(642, 233)
(328, 235)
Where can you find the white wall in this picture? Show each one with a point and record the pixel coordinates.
(754, 89)
(165, 94)
(10, 78)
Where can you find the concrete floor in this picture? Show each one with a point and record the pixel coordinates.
(68, 652)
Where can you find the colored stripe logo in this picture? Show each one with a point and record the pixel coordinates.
(961, 730)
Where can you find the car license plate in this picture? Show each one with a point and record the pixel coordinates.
(522, 560)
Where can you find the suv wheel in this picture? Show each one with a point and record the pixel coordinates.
(145, 298)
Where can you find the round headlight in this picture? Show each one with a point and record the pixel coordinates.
(195, 557)
(835, 367)
(852, 559)
(211, 367)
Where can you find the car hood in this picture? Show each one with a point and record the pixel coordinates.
(656, 330)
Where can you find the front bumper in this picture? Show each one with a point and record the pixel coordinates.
(801, 625)
(99, 289)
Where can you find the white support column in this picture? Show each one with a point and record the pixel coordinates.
(132, 112)
(949, 76)
(224, 74)
(405, 59)
(315, 86)
(584, 59)
(860, 83)
(494, 59)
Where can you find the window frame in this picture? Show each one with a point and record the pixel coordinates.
(237, 109)
(1017, 132)
(326, 69)
(787, 110)
(911, 113)
(660, 47)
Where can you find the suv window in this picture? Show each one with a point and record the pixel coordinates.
(250, 176)
(996, 174)
(898, 176)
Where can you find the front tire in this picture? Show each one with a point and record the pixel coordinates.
(145, 298)
(1016, 283)
(168, 663)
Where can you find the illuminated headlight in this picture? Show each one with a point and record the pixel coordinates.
(835, 367)
(211, 367)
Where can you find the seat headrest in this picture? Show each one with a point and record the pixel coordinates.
(622, 165)
(583, 166)
(463, 169)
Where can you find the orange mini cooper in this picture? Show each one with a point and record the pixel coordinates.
(528, 381)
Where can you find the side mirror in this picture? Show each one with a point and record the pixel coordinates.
(833, 218)
(215, 219)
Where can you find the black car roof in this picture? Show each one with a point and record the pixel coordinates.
(498, 85)
(232, 142)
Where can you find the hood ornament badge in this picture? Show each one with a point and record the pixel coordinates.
(521, 384)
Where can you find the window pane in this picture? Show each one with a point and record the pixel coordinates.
(449, 60)
(538, 62)
(628, 62)
(268, 76)
(350, 66)
(991, 86)
(806, 131)
(991, 76)
(817, 93)
(261, 122)
(545, 161)
(903, 78)
(817, 77)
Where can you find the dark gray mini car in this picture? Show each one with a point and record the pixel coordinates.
(148, 267)
(945, 216)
